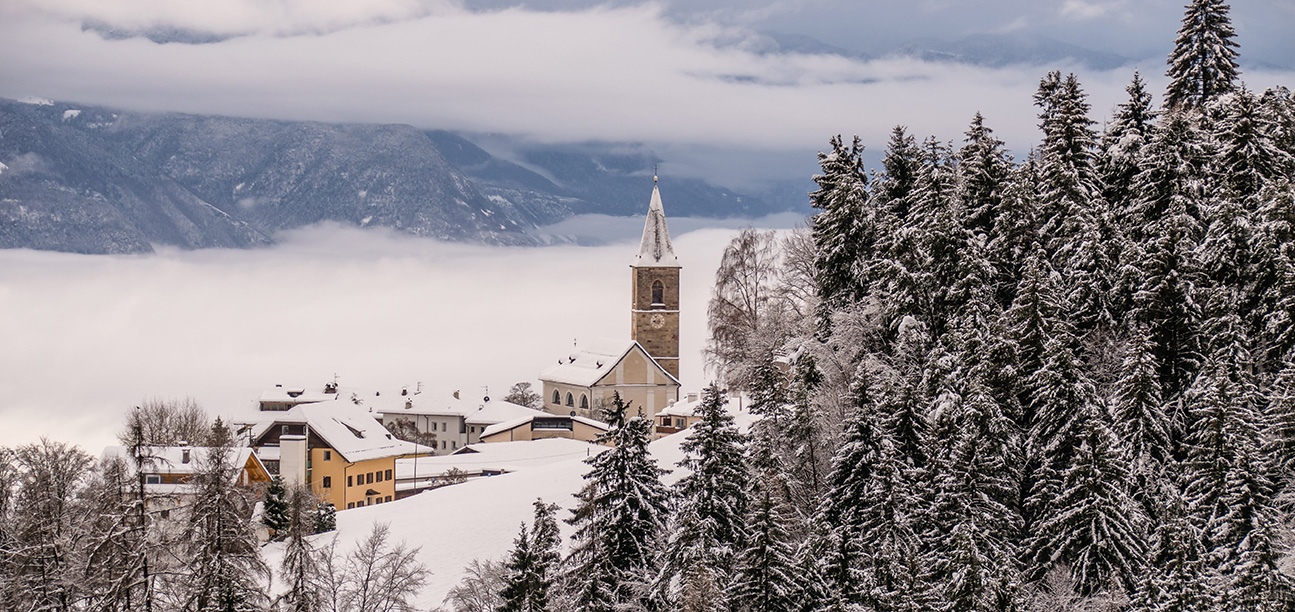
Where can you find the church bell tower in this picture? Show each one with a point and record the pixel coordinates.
(654, 308)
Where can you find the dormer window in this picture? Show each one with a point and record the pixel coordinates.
(658, 293)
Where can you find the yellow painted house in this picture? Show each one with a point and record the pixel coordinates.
(346, 455)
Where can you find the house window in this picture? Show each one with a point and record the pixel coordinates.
(388, 477)
(328, 455)
(379, 478)
(474, 429)
(388, 498)
(557, 397)
(454, 445)
(584, 402)
(658, 293)
(350, 505)
(328, 482)
(152, 479)
(570, 400)
(350, 481)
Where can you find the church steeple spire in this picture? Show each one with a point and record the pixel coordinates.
(655, 249)
(654, 299)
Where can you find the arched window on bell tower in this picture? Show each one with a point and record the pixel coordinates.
(658, 293)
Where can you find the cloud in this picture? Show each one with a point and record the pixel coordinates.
(1081, 10)
(236, 17)
(87, 337)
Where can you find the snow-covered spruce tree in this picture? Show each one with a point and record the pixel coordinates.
(1174, 580)
(300, 570)
(711, 503)
(841, 232)
(868, 549)
(1203, 63)
(972, 525)
(48, 519)
(1081, 237)
(531, 565)
(1274, 244)
(274, 508)
(1230, 488)
(1170, 207)
(1129, 130)
(1248, 156)
(983, 166)
(900, 164)
(1015, 229)
(1143, 425)
(225, 570)
(904, 396)
(764, 575)
(1280, 417)
(619, 520)
(1093, 525)
(1029, 321)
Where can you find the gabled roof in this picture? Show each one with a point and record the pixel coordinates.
(498, 411)
(655, 249)
(683, 409)
(170, 459)
(515, 423)
(345, 428)
(592, 361)
(295, 395)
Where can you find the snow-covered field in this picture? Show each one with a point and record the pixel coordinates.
(477, 519)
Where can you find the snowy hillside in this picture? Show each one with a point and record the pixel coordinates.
(477, 519)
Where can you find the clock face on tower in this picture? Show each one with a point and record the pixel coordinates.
(658, 321)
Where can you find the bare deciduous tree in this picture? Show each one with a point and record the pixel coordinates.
(375, 577)
(167, 423)
(523, 395)
(479, 590)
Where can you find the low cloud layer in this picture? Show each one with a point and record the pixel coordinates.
(87, 337)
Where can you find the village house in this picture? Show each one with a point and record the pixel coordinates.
(455, 421)
(678, 416)
(545, 426)
(169, 470)
(344, 454)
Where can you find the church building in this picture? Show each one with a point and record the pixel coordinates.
(645, 368)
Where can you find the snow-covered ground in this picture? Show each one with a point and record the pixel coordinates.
(479, 518)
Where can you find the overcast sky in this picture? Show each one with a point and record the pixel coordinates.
(678, 74)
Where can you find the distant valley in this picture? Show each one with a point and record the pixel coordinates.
(87, 179)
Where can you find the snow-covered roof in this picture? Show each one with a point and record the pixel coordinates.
(170, 459)
(346, 427)
(425, 403)
(295, 395)
(501, 457)
(686, 408)
(518, 422)
(655, 250)
(498, 411)
(593, 360)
